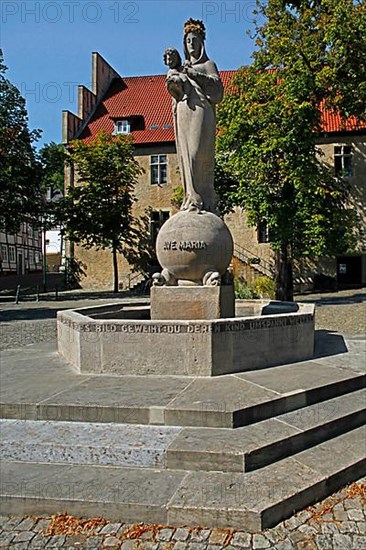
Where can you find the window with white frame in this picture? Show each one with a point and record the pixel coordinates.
(4, 252)
(12, 253)
(343, 160)
(158, 169)
(122, 127)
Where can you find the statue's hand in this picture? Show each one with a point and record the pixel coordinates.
(191, 72)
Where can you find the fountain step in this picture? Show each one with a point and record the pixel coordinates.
(41, 386)
(208, 449)
(100, 444)
(254, 446)
(251, 500)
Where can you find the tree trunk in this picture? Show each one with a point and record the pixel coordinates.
(115, 268)
(283, 277)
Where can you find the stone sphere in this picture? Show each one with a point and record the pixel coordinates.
(190, 244)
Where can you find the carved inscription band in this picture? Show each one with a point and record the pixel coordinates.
(176, 328)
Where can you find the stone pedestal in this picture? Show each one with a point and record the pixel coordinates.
(192, 302)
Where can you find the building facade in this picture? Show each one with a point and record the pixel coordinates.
(21, 253)
(141, 106)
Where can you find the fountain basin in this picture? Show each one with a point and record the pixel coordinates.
(121, 339)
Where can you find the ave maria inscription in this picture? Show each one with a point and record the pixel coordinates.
(184, 245)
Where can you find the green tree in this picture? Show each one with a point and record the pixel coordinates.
(52, 157)
(21, 198)
(310, 53)
(97, 212)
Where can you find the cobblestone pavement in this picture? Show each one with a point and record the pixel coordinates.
(336, 523)
(343, 311)
(31, 322)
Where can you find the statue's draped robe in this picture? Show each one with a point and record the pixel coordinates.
(195, 124)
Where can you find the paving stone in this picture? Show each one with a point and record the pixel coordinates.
(20, 546)
(110, 529)
(181, 534)
(276, 534)
(355, 515)
(272, 537)
(200, 535)
(293, 523)
(324, 542)
(145, 536)
(128, 545)
(315, 524)
(91, 542)
(241, 539)
(56, 541)
(285, 545)
(327, 517)
(112, 542)
(164, 534)
(3, 520)
(39, 541)
(5, 538)
(306, 545)
(342, 542)
(361, 526)
(197, 545)
(329, 528)
(148, 546)
(307, 530)
(339, 512)
(12, 522)
(351, 503)
(23, 536)
(297, 536)
(214, 547)
(217, 537)
(303, 516)
(76, 541)
(180, 545)
(259, 541)
(359, 542)
(348, 527)
(26, 525)
(41, 525)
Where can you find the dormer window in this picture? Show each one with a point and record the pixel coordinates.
(122, 127)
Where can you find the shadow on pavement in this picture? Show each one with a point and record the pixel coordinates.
(30, 314)
(336, 300)
(328, 343)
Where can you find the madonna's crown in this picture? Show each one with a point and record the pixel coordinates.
(195, 25)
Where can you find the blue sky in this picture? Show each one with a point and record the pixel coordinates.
(47, 44)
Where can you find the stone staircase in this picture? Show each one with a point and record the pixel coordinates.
(243, 451)
(249, 266)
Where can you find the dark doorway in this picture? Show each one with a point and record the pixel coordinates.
(349, 271)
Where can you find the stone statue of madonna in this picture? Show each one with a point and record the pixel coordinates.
(194, 247)
(196, 88)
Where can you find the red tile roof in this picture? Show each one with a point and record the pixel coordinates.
(332, 122)
(146, 97)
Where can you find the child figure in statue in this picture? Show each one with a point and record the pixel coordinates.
(177, 82)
